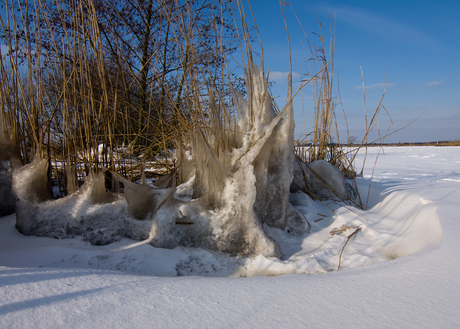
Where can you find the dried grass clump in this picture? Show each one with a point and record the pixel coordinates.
(323, 143)
(106, 84)
(91, 101)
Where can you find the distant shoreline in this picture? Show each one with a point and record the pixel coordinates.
(438, 143)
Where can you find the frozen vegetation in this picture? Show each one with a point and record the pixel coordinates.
(238, 190)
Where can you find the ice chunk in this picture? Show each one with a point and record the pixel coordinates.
(70, 177)
(144, 200)
(274, 173)
(321, 178)
(243, 171)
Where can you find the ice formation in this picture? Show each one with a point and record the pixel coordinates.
(98, 215)
(240, 171)
(321, 178)
(241, 181)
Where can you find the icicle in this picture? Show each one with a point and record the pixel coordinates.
(70, 177)
(144, 200)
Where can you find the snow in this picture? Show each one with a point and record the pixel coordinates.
(399, 270)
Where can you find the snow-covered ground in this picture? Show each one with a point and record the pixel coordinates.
(395, 271)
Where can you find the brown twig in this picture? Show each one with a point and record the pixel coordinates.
(348, 239)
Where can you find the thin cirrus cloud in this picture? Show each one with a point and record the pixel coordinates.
(385, 27)
(376, 85)
(433, 83)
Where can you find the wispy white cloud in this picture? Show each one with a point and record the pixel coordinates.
(433, 83)
(383, 26)
(376, 85)
(278, 76)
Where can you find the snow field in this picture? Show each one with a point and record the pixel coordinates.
(53, 283)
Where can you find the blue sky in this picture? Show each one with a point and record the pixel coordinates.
(419, 39)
